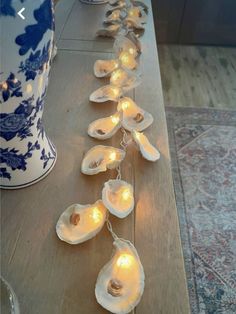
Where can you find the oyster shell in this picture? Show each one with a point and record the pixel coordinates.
(104, 68)
(120, 283)
(138, 14)
(141, 4)
(134, 23)
(117, 196)
(134, 118)
(147, 150)
(132, 37)
(106, 93)
(124, 44)
(100, 158)
(106, 127)
(128, 60)
(79, 223)
(109, 31)
(125, 79)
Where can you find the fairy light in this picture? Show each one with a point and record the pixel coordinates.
(131, 51)
(115, 119)
(134, 12)
(115, 91)
(124, 261)
(117, 75)
(112, 156)
(126, 194)
(125, 105)
(137, 134)
(96, 215)
(125, 57)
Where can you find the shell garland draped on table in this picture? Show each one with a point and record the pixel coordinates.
(120, 283)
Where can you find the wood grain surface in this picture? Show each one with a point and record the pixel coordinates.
(198, 76)
(52, 277)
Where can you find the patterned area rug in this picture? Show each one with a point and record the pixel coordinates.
(203, 153)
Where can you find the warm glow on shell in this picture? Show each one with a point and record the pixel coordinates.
(120, 283)
(100, 158)
(118, 197)
(147, 150)
(104, 68)
(106, 93)
(79, 223)
(134, 117)
(127, 60)
(105, 128)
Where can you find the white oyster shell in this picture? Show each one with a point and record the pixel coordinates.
(135, 23)
(124, 44)
(118, 197)
(100, 158)
(141, 4)
(103, 68)
(134, 117)
(106, 93)
(147, 150)
(86, 222)
(120, 283)
(125, 79)
(106, 127)
(127, 60)
(109, 31)
(138, 14)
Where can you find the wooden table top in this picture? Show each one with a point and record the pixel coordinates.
(50, 276)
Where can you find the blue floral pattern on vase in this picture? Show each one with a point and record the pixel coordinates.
(26, 154)
(14, 160)
(35, 63)
(34, 33)
(11, 87)
(6, 8)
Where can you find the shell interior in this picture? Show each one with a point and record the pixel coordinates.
(106, 127)
(106, 93)
(109, 31)
(125, 79)
(147, 150)
(103, 68)
(79, 223)
(128, 60)
(124, 44)
(134, 117)
(118, 197)
(100, 158)
(120, 283)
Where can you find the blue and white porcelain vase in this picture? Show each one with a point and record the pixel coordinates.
(26, 154)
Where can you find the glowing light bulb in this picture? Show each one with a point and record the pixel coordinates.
(125, 57)
(116, 75)
(131, 51)
(112, 156)
(137, 135)
(135, 12)
(126, 194)
(115, 91)
(96, 215)
(125, 105)
(124, 261)
(115, 119)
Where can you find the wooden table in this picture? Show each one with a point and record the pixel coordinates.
(50, 276)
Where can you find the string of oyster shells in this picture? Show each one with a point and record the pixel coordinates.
(124, 16)
(120, 283)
